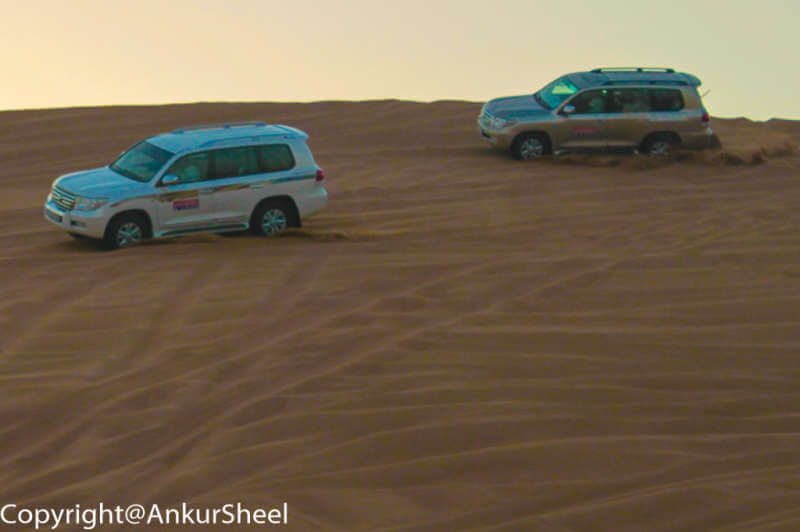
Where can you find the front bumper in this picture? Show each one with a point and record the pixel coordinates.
(88, 223)
(498, 138)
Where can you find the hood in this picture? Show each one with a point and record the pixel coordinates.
(98, 183)
(516, 107)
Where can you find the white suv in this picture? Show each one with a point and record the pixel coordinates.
(220, 178)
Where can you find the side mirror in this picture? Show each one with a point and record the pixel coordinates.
(568, 110)
(169, 179)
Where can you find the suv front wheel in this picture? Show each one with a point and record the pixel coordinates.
(126, 230)
(530, 146)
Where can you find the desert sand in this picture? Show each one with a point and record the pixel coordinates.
(460, 341)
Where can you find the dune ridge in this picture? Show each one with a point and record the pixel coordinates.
(459, 342)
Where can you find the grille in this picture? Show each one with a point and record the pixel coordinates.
(64, 199)
(486, 118)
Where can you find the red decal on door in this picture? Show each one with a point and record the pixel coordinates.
(182, 205)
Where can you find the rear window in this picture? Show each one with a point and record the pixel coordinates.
(234, 162)
(275, 157)
(641, 100)
(629, 101)
(666, 99)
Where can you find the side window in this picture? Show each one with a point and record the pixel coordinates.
(629, 101)
(589, 102)
(666, 100)
(191, 168)
(234, 162)
(275, 157)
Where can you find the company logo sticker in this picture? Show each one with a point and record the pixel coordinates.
(185, 204)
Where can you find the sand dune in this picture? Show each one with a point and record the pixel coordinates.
(459, 342)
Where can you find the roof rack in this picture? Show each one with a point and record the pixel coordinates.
(217, 126)
(650, 82)
(238, 140)
(634, 69)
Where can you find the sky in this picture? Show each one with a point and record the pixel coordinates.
(91, 52)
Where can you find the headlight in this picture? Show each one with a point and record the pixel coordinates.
(500, 123)
(89, 204)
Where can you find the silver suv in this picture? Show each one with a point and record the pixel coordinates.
(652, 110)
(220, 178)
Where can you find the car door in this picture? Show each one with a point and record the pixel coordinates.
(188, 204)
(668, 113)
(246, 175)
(237, 177)
(586, 126)
(628, 116)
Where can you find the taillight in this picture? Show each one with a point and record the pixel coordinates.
(705, 118)
(320, 175)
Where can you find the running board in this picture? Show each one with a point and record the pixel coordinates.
(212, 228)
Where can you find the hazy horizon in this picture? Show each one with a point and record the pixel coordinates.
(90, 53)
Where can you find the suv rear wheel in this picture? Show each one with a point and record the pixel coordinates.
(270, 217)
(530, 146)
(659, 145)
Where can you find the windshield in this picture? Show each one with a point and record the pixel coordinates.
(556, 92)
(141, 162)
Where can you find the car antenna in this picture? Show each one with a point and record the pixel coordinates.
(704, 94)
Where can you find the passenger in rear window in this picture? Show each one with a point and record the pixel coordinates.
(191, 168)
(631, 100)
(234, 162)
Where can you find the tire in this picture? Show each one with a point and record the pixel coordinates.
(270, 218)
(530, 146)
(125, 231)
(659, 145)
